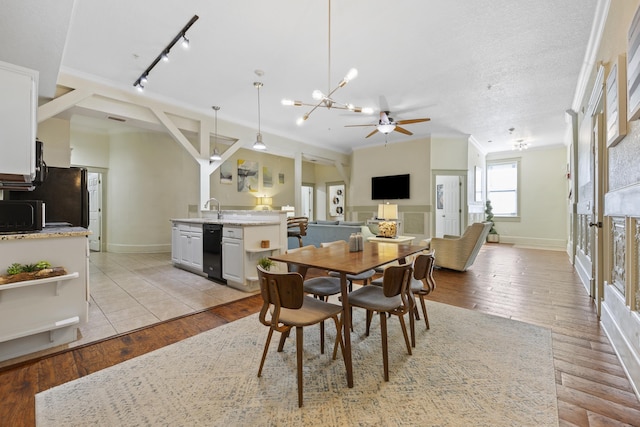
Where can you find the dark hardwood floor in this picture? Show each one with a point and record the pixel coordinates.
(533, 286)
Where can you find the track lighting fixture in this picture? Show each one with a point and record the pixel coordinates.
(164, 55)
(258, 145)
(216, 154)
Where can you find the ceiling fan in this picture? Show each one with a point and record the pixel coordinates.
(387, 125)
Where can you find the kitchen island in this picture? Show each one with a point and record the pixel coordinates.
(246, 236)
(44, 313)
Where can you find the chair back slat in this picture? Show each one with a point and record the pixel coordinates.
(423, 270)
(396, 280)
(283, 290)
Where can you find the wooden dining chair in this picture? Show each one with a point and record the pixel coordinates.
(285, 306)
(321, 287)
(393, 297)
(297, 227)
(422, 282)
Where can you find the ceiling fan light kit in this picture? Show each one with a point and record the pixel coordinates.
(386, 124)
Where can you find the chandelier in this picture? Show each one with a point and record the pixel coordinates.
(520, 145)
(326, 99)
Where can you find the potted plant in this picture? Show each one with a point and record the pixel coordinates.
(266, 263)
(493, 236)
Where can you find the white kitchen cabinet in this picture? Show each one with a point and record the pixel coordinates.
(175, 244)
(186, 248)
(241, 250)
(44, 313)
(18, 123)
(232, 256)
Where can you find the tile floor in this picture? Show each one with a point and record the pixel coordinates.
(129, 291)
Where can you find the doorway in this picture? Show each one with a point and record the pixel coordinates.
(306, 200)
(448, 205)
(94, 187)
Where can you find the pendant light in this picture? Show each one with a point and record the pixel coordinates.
(258, 145)
(216, 154)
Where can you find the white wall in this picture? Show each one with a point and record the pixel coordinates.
(55, 134)
(231, 198)
(543, 199)
(412, 157)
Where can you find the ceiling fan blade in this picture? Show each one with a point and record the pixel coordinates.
(407, 122)
(402, 130)
(372, 133)
(352, 126)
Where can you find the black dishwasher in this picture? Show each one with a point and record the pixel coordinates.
(212, 251)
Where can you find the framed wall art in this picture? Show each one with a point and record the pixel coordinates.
(633, 68)
(616, 102)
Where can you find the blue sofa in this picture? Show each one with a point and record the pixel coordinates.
(329, 231)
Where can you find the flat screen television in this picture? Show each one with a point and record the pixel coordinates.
(390, 187)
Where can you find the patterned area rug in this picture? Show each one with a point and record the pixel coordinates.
(470, 369)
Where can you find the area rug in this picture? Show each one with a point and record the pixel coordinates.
(469, 369)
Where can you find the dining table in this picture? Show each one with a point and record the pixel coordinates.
(340, 259)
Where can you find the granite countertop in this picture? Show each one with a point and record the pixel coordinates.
(47, 233)
(229, 221)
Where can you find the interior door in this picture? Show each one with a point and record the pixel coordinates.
(94, 186)
(590, 185)
(306, 193)
(448, 207)
(598, 141)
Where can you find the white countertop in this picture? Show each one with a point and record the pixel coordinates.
(223, 221)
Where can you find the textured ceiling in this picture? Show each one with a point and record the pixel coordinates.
(475, 68)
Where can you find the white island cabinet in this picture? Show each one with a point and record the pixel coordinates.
(242, 248)
(247, 236)
(43, 313)
(186, 246)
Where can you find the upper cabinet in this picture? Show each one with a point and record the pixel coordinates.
(18, 124)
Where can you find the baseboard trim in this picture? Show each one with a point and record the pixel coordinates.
(138, 249)
(535, 243)
(628, 354)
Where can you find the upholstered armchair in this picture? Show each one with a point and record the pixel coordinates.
(459, 252)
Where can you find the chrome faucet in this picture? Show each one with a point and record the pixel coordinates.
(206, 204)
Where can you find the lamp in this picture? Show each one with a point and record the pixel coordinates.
(258, 145)
(216, 154)
(325, 100)
(264, 201)
(164, 55)
(389, 213)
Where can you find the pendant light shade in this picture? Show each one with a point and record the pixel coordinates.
(216, 154)
(258, 145)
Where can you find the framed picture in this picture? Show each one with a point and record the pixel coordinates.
(267, 177)
(247, 176)
(633, 68)
(616, 102)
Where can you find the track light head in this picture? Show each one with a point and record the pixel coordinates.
(185, 41)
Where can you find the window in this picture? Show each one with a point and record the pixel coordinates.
(502, 187)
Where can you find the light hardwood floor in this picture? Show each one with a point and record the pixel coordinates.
(534, 286)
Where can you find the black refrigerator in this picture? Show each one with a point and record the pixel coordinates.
(65, 194)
